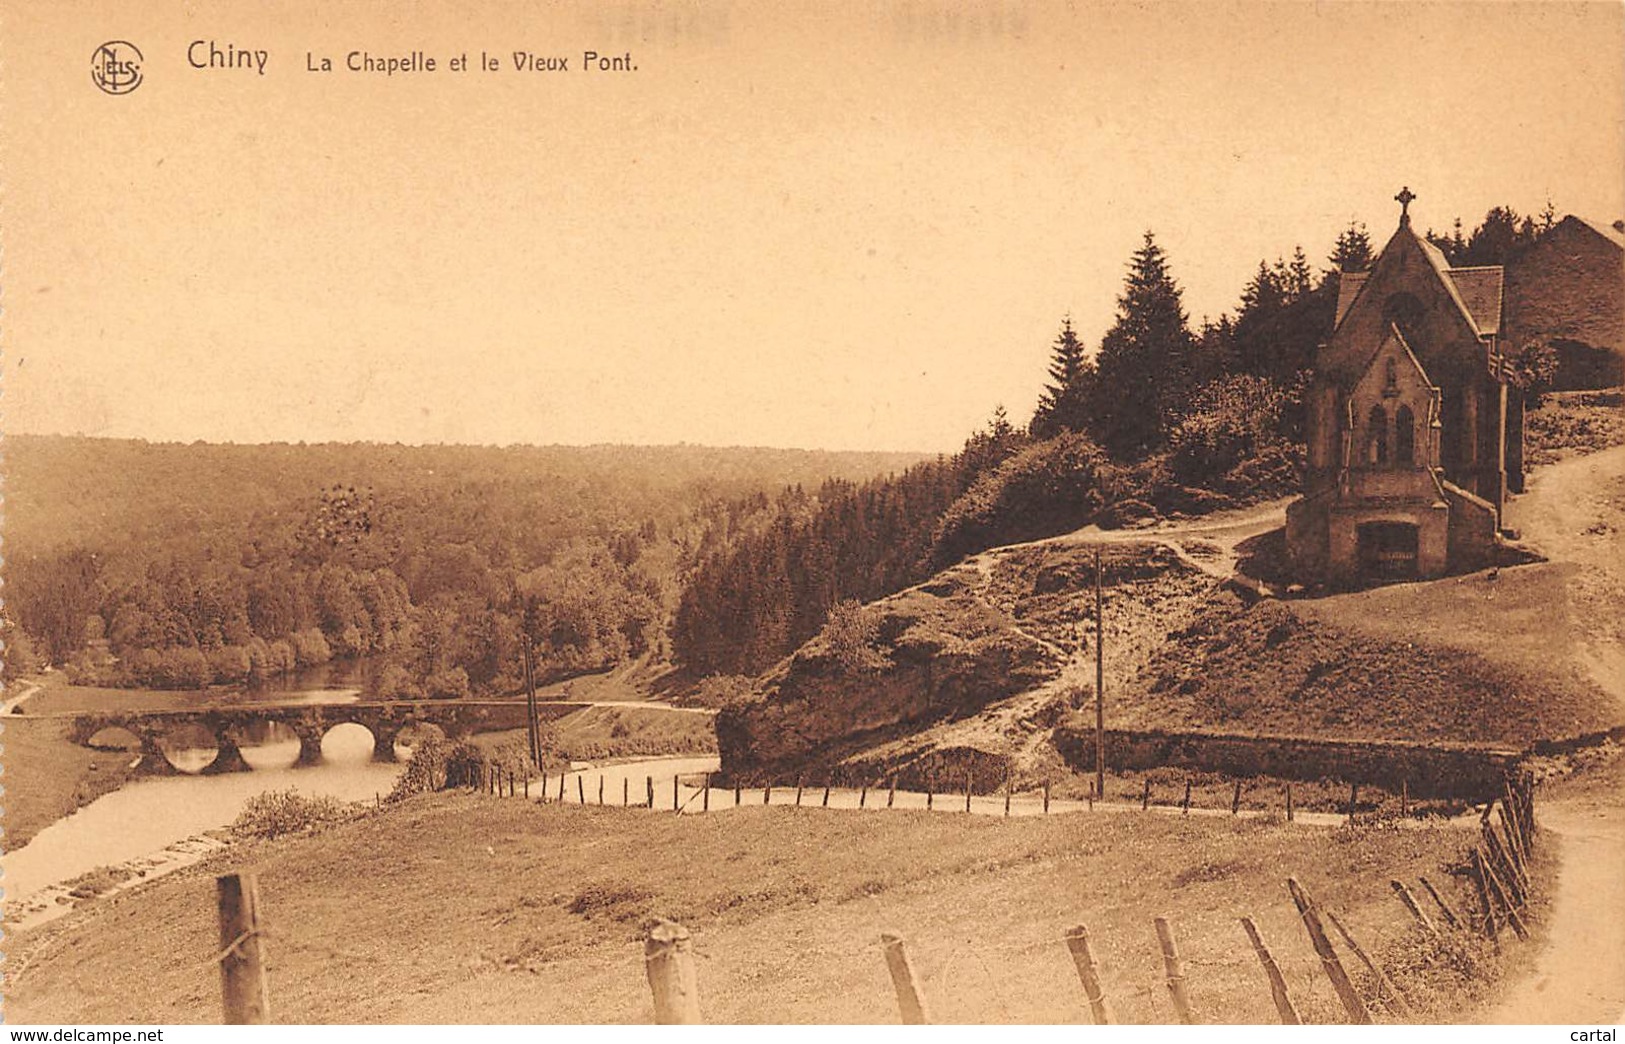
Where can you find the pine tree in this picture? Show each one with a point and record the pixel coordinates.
(1064, 403)
(1299, 277)
(1144, 367)
(1353, 252)
(1262, 302)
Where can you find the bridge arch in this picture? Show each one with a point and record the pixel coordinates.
(192, 747)
(115, 736)
(266, 744)
(351, 741)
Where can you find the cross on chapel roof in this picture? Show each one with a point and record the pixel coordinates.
(1404, 199)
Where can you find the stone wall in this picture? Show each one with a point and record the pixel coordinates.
(1473, 526)
(1470, 774)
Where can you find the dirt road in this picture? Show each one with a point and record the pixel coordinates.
(1575, 512)
(1579, 978)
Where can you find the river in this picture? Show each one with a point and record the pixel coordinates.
(153, 826)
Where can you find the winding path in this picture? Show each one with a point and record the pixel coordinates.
(1579, 977)
(1575, 512)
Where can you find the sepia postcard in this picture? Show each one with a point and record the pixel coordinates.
(739, 512)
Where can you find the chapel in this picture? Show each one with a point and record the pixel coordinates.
(1407, 422)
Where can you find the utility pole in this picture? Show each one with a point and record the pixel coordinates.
(1100, 690)
(532, 727)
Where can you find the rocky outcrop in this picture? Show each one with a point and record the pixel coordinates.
(932, 653)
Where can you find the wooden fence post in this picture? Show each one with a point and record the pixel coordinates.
(738, 791)
(705, 799)
(1272, 971)
(1046, 797)
(826, 796)
(527, 785)
(1384, 984)
(649, 791)
(767, 794)
(1077, 941)
(1174, 968)
(1498, 853)
(676, 796)
(1235, 800)
(910, 1002)
(1416, 910)
(1404, 797)
(1514, 843)
(1007, 797)
(544, 786)
(668, 958)
(1444, 907)
(930, 796)
(626, 791)
(1090, 795)
(891, 793)
(581, 790)
(563, 775)
(1145, 795)
(1480, 879)
(1500, 893)
(1328, 956)
(1185, 806)
(243, 993)
(1354, 799)
(967, 791)
(863, 795)
(1289, 801)
(800, 783)
(600, 788)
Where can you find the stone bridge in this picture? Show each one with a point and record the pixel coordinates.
(310, 722)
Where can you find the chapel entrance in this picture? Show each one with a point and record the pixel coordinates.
(1388, 550)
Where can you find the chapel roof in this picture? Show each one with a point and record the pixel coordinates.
(1480, 290)
(1476, 289)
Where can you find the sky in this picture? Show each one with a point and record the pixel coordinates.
(841, 225)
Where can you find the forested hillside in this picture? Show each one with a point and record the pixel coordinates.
(167, 564)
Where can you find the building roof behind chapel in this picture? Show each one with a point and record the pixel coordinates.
(1612, 233)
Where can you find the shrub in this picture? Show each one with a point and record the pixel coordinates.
(1047, 489)
(185, 668)
(310, 648)
(465, 766)
(851, 634)
(281, 812)
(396, 683)
(1232, 438)
(425, 772)
(447, 685)
(719, 690)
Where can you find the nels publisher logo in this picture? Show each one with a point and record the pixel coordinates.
(116, 67)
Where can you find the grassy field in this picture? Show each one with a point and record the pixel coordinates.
(48, 778)
(457, 907)
(1464, 659)
(1569, 423)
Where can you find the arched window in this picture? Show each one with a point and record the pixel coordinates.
(1404, 436)
(1376, 427)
